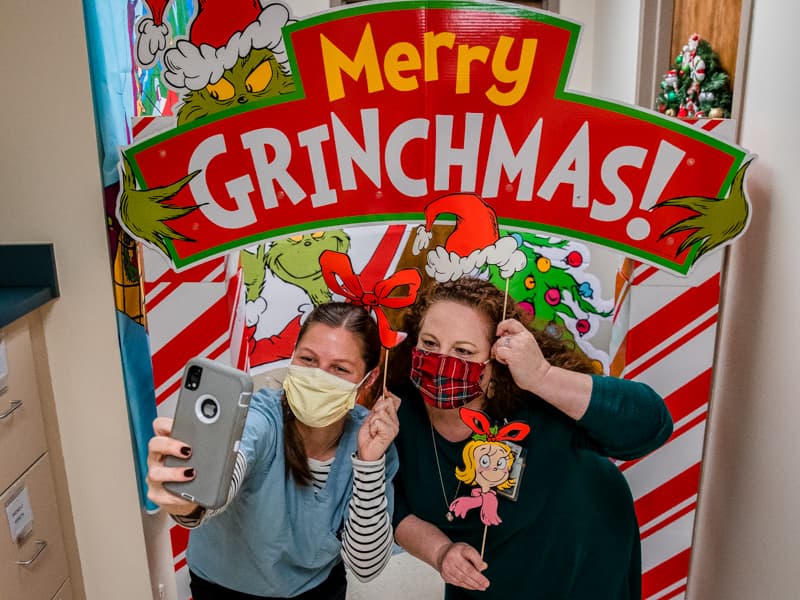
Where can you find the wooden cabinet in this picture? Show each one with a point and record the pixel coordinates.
(33, 564)
(22, 437)
(65, 593)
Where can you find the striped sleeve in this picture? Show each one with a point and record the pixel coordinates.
(367, 538)
(319, 470)
(197, 519)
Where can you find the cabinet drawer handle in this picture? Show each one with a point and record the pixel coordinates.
(26, 563)
(15, 404)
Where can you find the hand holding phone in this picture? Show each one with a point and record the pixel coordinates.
(209, 418)
(159, 447)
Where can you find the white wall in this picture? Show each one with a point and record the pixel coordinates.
(307, 7)
(52, 193)
(581, 11)
(748, 533)
(606, 61)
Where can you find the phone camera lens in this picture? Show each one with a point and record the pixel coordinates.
(209, 408)
(193, 377)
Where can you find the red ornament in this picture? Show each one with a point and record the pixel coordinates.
(552, 296)
(527, 307)
(582, 326)
(574, 259)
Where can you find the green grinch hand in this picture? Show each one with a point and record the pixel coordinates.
(144, 213)
(718, 220)
(254, 268)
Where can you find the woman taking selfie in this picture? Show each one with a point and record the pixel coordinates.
(562, 525)
(309, 489)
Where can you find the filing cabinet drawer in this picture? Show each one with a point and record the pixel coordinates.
(65, 593)
(22, 437)
(36, 568)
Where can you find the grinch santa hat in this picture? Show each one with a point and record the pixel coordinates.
(222, 32)
(474, 243)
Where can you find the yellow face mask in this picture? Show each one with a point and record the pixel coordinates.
(318, 398)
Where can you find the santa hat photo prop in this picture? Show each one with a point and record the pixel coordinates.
(474, 243)
(151, 34)
(222, 32)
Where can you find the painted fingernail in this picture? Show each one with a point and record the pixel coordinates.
(186, 451)
(189, 472)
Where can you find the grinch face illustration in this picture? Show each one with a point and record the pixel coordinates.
(295, 260)
(254, 77)
(233, 56)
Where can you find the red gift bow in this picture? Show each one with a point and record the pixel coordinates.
(337, 266)
(478, 422)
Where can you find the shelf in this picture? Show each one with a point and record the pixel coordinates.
(27, 279)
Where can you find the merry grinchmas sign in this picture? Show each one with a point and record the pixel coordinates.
(371, 113)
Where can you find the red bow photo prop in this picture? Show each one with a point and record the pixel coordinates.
(337, 271)
(478, 422)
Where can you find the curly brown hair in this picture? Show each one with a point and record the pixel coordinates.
(484, 297)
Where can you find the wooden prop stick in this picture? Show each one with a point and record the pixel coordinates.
(505, 300)
(385, 369)
(483, 543)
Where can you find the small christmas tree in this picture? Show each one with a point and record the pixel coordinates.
(696, 86)
(560, 303)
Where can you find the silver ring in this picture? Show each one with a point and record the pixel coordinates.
(507, 342)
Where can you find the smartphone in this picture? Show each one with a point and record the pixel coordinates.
(209, 416)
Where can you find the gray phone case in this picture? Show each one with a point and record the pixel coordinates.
(209, 416)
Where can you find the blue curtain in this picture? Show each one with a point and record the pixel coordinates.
(109, 45)
(108, 26)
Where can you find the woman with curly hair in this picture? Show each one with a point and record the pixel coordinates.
(568, 530)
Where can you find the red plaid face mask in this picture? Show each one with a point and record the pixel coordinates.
(445, 381)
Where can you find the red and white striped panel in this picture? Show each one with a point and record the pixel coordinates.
(144, 126)
(664, 334)
(179, 538)
(669, 326)
(201, 317)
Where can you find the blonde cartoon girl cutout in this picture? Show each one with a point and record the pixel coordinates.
(487, 464)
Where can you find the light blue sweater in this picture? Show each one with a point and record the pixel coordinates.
(277, 538)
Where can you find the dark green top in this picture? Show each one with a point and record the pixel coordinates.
(572, 532)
